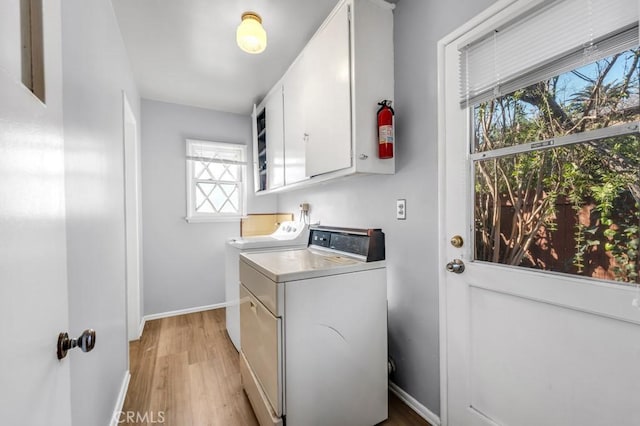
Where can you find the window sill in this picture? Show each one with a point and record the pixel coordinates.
(212, 219)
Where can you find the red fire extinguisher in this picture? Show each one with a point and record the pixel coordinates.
(385, 129)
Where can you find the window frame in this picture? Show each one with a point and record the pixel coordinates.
(199, 217)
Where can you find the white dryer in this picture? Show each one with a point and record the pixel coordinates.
(314, 330)
(288, 235)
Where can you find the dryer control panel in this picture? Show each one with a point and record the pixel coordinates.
(367, 244)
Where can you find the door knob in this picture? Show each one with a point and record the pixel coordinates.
(456, 266)
(86, 342)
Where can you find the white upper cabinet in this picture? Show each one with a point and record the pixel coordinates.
(275, 138)
(328, 120)
(295, 120)
(371, 81)
(330, 98)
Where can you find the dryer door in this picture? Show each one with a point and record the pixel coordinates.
(261, 342)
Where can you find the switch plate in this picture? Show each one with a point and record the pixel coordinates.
(401, 209)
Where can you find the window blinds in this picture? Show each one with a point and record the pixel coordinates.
(212, 152)
(553, 38)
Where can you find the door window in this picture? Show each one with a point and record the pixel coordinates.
(556, 169)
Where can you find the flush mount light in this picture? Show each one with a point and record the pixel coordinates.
(250, 36)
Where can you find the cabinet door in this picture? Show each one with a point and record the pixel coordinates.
(328, 145)
(295, 121)
(275, 139)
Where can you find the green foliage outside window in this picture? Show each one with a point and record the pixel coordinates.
(573, 208)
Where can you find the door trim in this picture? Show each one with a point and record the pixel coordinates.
(132, 219)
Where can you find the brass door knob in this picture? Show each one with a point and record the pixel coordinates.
(457, 241)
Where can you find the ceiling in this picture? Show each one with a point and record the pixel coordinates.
(184, 51)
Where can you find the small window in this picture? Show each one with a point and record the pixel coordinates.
(215, 181)
(32, 47)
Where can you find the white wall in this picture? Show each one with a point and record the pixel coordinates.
(96, 70)
(184, 263)
(370, 201)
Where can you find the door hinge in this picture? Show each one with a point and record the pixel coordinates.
(349, 12)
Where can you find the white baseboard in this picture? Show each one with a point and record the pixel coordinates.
(184, 311)
(416, 406)
(139, 332)
(143, 321)
(121, 397)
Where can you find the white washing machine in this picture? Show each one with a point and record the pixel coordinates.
(314, 330)
(289, 234)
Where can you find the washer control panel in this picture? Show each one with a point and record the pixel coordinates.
(288, 230)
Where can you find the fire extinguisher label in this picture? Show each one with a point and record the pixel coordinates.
(385, 134)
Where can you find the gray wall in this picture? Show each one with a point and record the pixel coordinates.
(95, 72)
(370, 201)
(184, 262)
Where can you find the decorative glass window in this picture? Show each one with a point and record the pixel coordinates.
(215, 181)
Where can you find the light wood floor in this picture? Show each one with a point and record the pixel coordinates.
(185, 372)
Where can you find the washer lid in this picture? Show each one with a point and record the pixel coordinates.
(300, 264)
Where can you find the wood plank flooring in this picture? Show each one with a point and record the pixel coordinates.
(185, 372)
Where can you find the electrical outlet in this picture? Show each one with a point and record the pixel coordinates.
(401, 209)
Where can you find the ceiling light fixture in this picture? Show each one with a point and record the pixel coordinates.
(251, 36)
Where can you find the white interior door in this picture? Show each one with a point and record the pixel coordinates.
(522, 346)
(34, 385)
